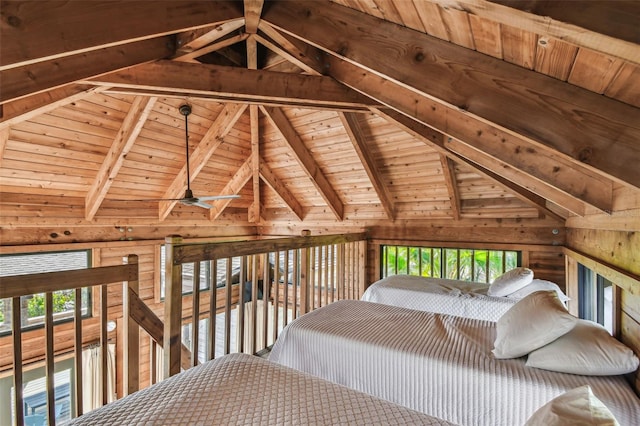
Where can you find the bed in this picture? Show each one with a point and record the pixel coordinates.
(453, 297)
(244, 389)
(441, 365)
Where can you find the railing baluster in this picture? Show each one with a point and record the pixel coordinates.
(286, 288)
(213, 309)
(16, 327)
(195, 314)
(227, 310)
(266, 286)
(49, 357)
(77, 320)
(276, 295)
(104, 344)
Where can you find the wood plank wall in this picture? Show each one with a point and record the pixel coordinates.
(615, 240)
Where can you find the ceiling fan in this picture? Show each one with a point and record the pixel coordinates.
(189, 199)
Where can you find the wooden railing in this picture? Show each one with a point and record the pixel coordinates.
(15, 287)
(297, 274)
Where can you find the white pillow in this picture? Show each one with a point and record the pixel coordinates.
(510, 281)
(538, 319)
(578, 406)
(588, 349)
(538, 285)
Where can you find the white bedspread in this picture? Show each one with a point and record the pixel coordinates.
(441, 365)
(246, 390)
(460, 298)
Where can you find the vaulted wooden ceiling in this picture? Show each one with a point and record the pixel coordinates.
(356, 111)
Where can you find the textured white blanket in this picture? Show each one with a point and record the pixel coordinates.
(241, 389)
(461, 298)
(438, 364)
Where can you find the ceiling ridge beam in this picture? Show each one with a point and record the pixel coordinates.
(354, 131)
(305, 159)
(477, 93)
(252, 12)
(214, 137)
(126, 137)
(235, 184)
(87, 26)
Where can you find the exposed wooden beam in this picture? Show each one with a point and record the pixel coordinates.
(214, 137)
(31, 31)
(477, 96)
(449, 175)
(285, 54)
(40, 103)
(129, 131)
(435, 140)
(235, 84)
(195, 39)
(305, 159)
(34, 78)
(252, 12)
(285, 195)
(537, 167)
(235, 184)
(307, 57)
(190, 56)
(354, 131)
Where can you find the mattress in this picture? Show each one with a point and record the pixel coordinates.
(461, 298)
(247, 390)
(441, 365)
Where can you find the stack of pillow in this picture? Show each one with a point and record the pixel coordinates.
(540, 327)
(519, 282)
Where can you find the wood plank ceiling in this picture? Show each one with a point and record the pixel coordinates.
(349, 111)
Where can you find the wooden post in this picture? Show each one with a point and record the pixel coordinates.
(362, 266)
(132, 338)
(571, 277)
(172, 310)
(195, 314)
(305, 282)
(77, 320)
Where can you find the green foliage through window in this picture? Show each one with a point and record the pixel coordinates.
(452, 263)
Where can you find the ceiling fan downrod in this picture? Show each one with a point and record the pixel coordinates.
(185, 109)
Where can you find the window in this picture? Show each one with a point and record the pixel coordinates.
(452, 263)
(33, 305)
(187, 275)
(595, 297)
(35, 395)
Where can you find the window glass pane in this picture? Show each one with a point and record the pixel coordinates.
(33, 305)
(450, 263)
(480, 265)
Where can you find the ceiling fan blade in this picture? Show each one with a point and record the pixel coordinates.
(146, 199)
(199, 204)
(217, 197)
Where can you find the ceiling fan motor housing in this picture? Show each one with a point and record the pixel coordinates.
(185, 109)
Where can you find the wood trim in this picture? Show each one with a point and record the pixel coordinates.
(449, 174)
(279, 188)
(239, 180)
